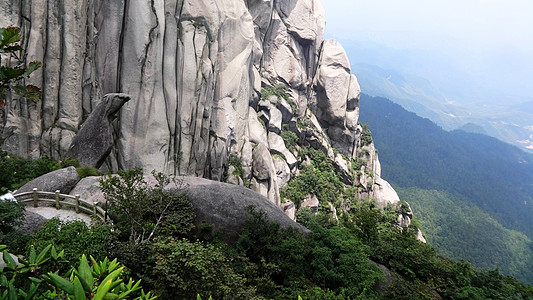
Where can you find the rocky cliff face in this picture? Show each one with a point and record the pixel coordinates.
(214, 86)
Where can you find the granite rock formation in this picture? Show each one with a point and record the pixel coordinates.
(93, 142)
(198, 73)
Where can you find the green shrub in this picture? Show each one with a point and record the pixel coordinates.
(185, 269)
(11, 78)
(69, 162)
(235, 161)
(280, 91)
(366, 135)
(87, 171)
(11, 215)
(318, 179)
(74, 238)
(289, 138)
(16, 171)
(144, 211)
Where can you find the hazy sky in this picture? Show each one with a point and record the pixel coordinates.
(473, 24)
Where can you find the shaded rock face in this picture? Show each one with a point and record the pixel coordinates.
(93, 142)
(63, 180)
(224, 206)
(195, 71)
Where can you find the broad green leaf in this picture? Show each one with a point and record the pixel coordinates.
(10, 35)
(85, 273)
(7, 73)
(113, 265)
(62, 283)
(96, 267)
(79, 292)
(33, 255)
(10, 262)
(12, 292)
(36, 280)
(107, 284)
(3, 280)
(2, 247)
(53, 252)
(41, 257)
(112, 296)
(29, 92)
(32, 66)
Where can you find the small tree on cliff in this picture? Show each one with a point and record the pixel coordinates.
(13, 69)
(145, 211)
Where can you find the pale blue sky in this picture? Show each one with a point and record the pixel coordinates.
(472, 24)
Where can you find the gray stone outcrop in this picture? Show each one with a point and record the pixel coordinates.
(63, 180)
(196, 71)
(93, 142)
(224, 206)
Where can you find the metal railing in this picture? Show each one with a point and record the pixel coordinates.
(61, 201)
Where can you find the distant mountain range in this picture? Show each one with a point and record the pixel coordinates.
(472, 193)
(450, 89)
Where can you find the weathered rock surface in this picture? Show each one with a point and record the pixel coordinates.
(93, 142)
(312, 202)
(224, 205)
(195, 70)
(89, 190)
(63, 180)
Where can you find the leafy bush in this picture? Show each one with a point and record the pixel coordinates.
(289, 138)
(74, 238)
(184, 269)
(87, 171)
(101, 280)
(147, 211)
(11, 215)
(366, 135)
(16, 171)
(319, 179)
(280, 91)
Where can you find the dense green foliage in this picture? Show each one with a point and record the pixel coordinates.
(289, 138)
(484, 199)
(16, 171)
(461, 230)
(146, 211)
(362, 255)
(186, 268)
(74, 238)
(10, 215)
(100, 280)
(319, 178)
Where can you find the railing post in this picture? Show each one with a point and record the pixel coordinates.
(77, 203)
(94, 209)
(57, 200)
(35, 197)
(105, 216)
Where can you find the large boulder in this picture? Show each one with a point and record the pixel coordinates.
(63, 180)
(93, 143)
(224, 206)
(89, 190)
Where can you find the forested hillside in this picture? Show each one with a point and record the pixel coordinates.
(472, 193)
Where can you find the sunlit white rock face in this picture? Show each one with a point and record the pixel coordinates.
(194, 70)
